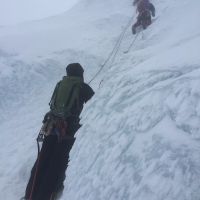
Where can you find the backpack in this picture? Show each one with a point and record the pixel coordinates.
(66, 97)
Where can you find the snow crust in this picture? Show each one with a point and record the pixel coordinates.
(140, 134)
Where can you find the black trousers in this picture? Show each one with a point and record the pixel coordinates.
(144, 20)
(48, 173)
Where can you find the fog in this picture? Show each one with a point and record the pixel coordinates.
(17, 11)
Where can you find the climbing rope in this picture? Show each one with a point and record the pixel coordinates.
(132, 43)
(114, 51)
(39, 139)
(113, 59)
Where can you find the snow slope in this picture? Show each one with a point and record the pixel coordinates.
(140, 138)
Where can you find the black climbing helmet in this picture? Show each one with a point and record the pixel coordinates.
(75, 69)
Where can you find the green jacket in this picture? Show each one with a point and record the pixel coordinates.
(66, 96)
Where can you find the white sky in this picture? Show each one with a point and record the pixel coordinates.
(16, 11)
